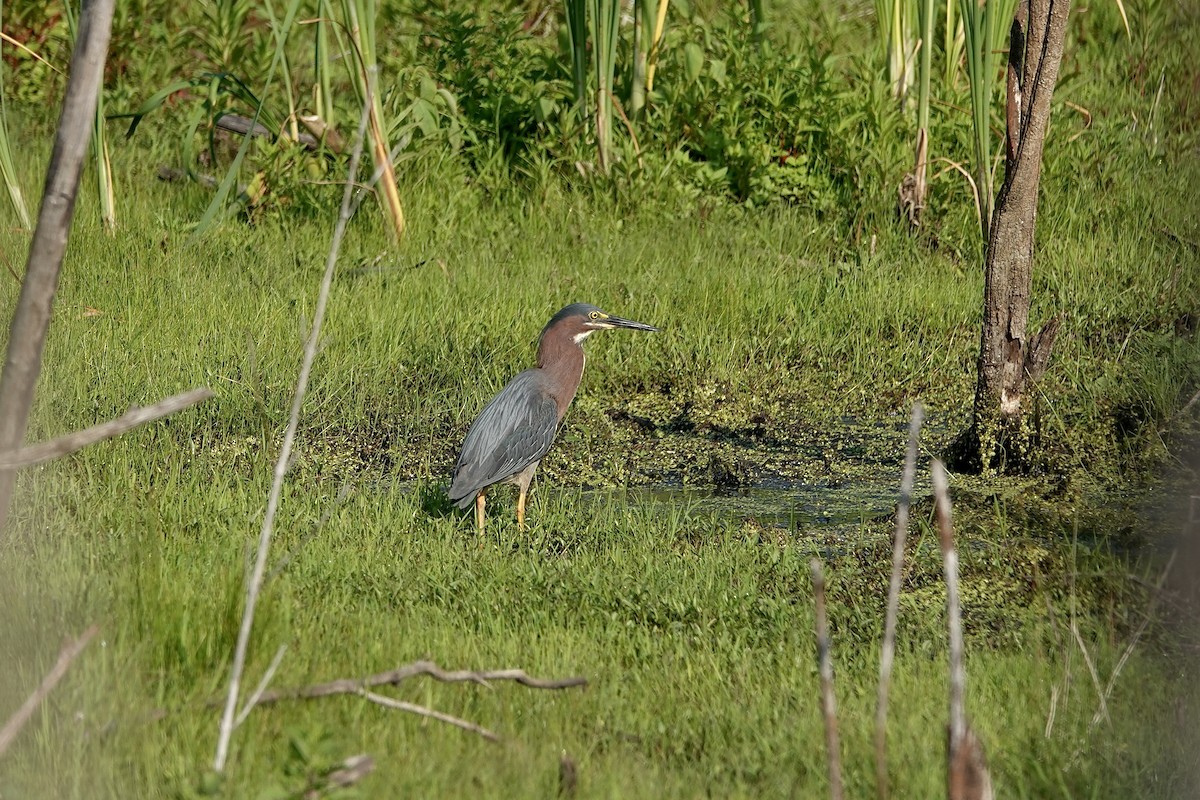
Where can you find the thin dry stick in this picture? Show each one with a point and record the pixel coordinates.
(1137, 635)
(424, 711)
(828, 700)
(428, 668)
(281, 465)
(958, 674)
(31, 319)
(257, 694)
(72, 442)
(893, 607)
(68, 654)
(1087, 659)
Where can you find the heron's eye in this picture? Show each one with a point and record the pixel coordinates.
(594, 315)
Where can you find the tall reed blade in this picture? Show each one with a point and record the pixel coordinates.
(660, 23)
(8, 170)
(98, 145)
(605, 18)
(576, 13)
(360, 16)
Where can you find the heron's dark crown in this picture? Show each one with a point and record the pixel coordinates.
(579, 311)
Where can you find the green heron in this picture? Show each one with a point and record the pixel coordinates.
(516, 429)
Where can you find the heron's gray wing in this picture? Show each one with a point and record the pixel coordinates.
(514, 430)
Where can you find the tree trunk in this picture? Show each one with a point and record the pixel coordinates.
(1009, 360)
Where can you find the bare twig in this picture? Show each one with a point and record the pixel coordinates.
(893, 606)
(350, 772)
(967, 776)
(72, 442)
(1087, 659)
(828, 700)
(958, 677)
(416, 668)
(68, 654)
(400, 705)
(257, 694)
(31, 319)
(1137, 635)
(281, 465)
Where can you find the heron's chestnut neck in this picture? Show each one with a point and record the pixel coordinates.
(561, 359)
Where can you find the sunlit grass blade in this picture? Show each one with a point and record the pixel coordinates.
(360, 17)
(576, 13)
(952, 43)
(8, 171)
(322, 58)
(98, 146)
(660, 23)
(605, 18)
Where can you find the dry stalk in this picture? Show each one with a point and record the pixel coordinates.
(257, 694)
(958, 674)
(425, 711)
(72, 442)
(1091, 667)
(281, 465)
(828, 700)
(889, 631)
(1137, 635)
(66, 656)
(31, 319)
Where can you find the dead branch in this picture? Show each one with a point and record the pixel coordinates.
(828, 700)
(425, 711)
(348, 773)
(254, 585)
(1128, 651)
(66, 656)
(73, 442)
(893, 607)
(257, 694)
(31, 319)
(965, 754)
(417, 668)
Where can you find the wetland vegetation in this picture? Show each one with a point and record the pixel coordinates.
(800, 320)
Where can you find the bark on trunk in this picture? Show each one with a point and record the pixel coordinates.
(1009, 359)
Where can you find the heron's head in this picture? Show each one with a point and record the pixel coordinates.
(581, 320)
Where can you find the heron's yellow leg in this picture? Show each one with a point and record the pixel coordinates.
(521, 509)
(480, 502)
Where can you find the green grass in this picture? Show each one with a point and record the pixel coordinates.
(792, 347)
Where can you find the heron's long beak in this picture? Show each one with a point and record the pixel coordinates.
(617, 322)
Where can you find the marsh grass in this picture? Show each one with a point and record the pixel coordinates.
(693, 627)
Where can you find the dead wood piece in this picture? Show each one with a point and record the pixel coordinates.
(416, 668)
(348, 773)
(31, 318)
(235, 123)
(1037, 356)
(72, 442)
(425, 711)
(893, 607)
(66, 656)
(969, 775)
